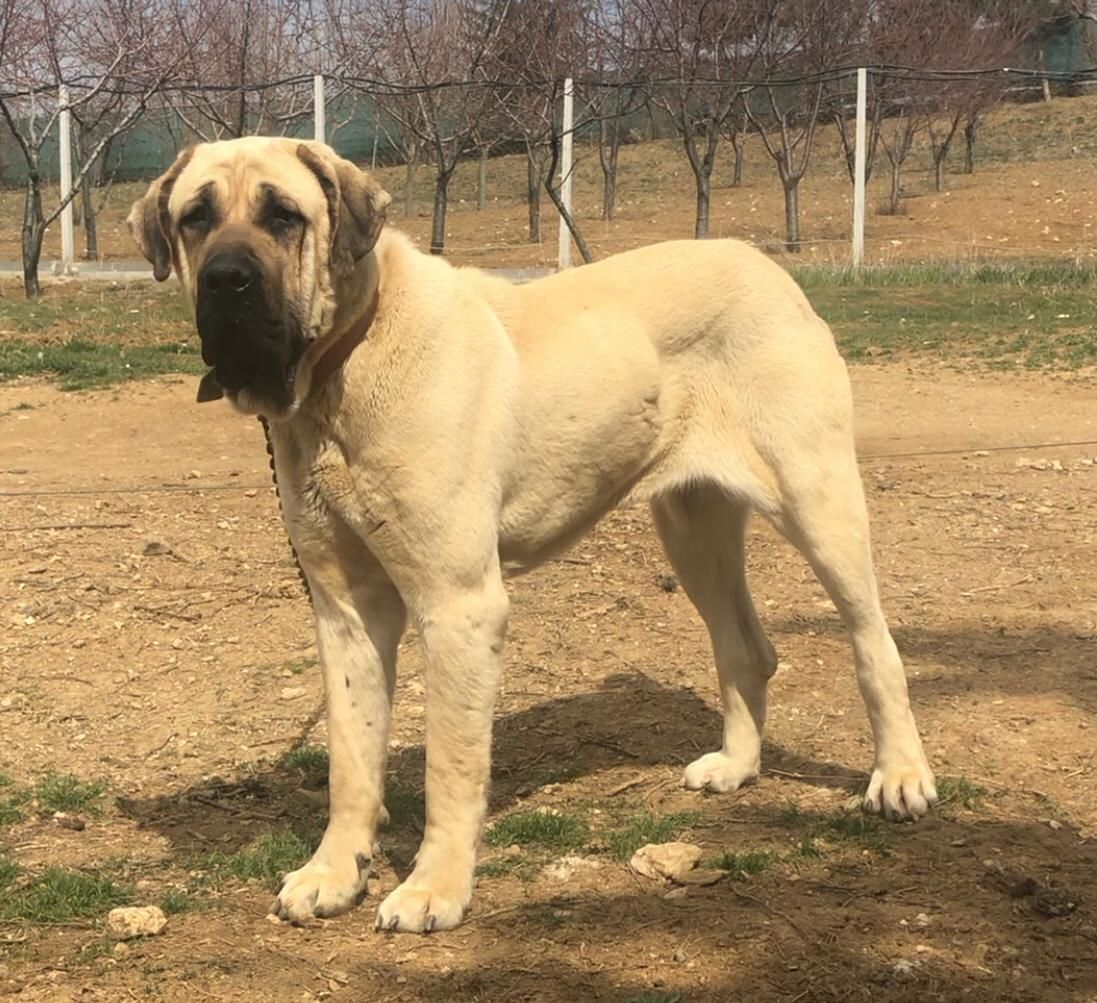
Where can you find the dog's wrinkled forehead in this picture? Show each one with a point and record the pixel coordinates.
(239, 179)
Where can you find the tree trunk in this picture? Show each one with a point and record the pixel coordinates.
(34, 231)
(438, 221)
(409, 185)
(739, 146)
(609, 147)
(482, 191)
(1045, 85)
(700, 229)
(533, 198)
(792, 214)
(91, 228)
(969, 147)
(896, 188)
(569, 221)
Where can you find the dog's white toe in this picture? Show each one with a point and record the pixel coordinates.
(323, 888)
(719, 772)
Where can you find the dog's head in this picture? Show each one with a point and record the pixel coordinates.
(264, 235)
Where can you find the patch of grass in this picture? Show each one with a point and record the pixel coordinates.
(57, 895)
(741, 866)
(1034, 314)
(266, 859)
(311, 761)
(855, 826)
(808, 849)
(175, 901)
(508, 867)
(550, 830)
(84, 365)
(960, 791)
(12, 799)
(654, 997)
(102, 948)
(9, 871)
(65, 792)
(790, 816)
(645, 828)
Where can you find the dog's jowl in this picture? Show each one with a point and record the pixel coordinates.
(435, 428)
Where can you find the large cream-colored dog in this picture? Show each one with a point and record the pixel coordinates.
(436, 428)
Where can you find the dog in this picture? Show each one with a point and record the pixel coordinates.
(436, 429)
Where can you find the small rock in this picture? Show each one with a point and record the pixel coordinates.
(680, 955)
(127, 922)
(1053, 903)
(922, 920)
(668, 583)
(981, 452)
(155, 547)
(665, 861)
(250, 493)
(904, 968)
(293, 692)
(567, 867)
(121, 949)
(73, 822)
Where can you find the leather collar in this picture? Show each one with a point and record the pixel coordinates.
(333, 358)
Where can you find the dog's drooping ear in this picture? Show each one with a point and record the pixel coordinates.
(149, 222)
(356, 204)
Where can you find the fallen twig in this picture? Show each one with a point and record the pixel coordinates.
(997, 588)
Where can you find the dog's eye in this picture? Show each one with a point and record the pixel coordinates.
(283, 218)
(197, 218)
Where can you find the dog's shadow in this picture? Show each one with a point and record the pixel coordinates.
(631, 720)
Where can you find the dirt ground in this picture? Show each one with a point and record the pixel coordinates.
(175, 678)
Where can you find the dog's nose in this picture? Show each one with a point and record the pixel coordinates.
(228, 274)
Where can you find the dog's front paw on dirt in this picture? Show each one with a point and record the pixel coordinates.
(420, 906)
(323, 887)
(901, 792)
(719, 772)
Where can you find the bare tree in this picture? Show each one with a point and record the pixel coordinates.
(109, 52)
(700, 52)
(809, 38)
(439, 51)
(986, 35)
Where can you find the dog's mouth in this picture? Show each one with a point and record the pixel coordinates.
(220, 382)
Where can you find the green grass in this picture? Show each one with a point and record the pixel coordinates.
(9, 871)
(406, 806)
(741, 866)
(960, 791)
(1034, 315)
(808, 849)
(644, 828)
(547, 830)
(506, 867)
(58, 895)
(266, 859)
(83, 365)
(854, 826)
(175, 901)
(65, 792)
(311, 761)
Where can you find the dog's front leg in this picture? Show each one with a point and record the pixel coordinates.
(358, 630)
(462, 630)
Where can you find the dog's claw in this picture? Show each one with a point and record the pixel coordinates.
(393, 924)
(428, 926)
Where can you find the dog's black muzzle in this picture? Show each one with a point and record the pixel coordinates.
(246, 334)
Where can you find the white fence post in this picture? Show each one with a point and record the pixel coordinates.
(319, 126)
(859, 173)
(563, 259)
(68, 251)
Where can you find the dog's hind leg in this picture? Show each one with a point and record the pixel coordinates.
(823, 513)
(703, 531)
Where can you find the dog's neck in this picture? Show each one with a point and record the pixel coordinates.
(352, 323)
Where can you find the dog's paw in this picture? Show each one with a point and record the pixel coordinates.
(719, 772)
(326, 886)
(901, 791)
(422, 906)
